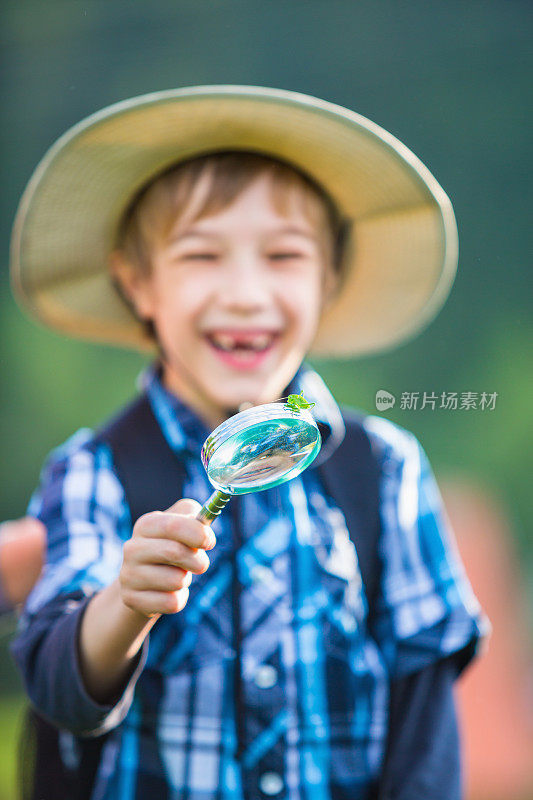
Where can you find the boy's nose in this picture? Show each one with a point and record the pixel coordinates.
(245, 286)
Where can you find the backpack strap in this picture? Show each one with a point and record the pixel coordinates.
(141, 456)
(351, 478)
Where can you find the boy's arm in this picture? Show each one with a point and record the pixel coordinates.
(159, 559)
(80, 635)
(80, 656)
(423, 753)
(426, 621)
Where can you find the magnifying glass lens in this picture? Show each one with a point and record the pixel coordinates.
(257, 449)
(263, 455)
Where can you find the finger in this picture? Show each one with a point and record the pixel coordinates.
(164, 551)
(169, 524)
(152, 603)
(155, 577)
(186, 507)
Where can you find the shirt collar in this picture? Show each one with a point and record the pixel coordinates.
(326, 411)
(181, 426)
(184, 430)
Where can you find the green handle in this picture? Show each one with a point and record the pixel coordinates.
(213, 506)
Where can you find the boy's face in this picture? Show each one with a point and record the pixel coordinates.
(235, 298)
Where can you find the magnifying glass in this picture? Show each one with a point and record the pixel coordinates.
(257, 449)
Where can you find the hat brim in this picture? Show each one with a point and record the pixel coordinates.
(400, 263)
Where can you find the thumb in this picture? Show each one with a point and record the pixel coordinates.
(186, 507)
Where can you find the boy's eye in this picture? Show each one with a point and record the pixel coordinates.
(284, 255)
(200, 256)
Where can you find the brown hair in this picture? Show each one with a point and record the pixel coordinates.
(156, 207)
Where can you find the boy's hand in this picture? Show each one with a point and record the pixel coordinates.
(166, 547)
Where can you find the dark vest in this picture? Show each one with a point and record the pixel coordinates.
(152, 476)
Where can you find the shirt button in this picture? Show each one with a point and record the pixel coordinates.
(266, 676)
(271, 783)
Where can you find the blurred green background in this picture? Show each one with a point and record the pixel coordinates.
(449, 78)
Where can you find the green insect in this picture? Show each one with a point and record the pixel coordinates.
(297, 402)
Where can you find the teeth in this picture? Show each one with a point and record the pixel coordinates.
(224, 341)
(260, 342)
(228, 342)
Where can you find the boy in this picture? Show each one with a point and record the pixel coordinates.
(242, 227)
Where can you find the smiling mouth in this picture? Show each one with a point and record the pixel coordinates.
(242, 342)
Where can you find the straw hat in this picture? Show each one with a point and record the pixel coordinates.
(401, 258)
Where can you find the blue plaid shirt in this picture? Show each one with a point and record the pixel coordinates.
(313, 683)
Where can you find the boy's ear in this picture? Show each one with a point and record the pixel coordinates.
(132, 284)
